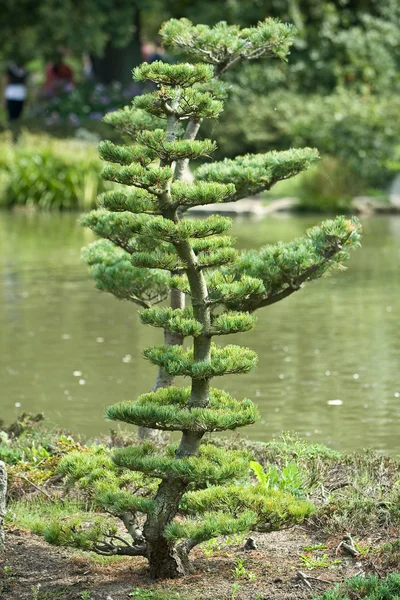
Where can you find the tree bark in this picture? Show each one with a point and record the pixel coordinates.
(164, 560)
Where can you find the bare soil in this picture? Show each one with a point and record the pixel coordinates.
(31, 569)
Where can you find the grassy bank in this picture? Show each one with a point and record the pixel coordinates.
(315, 501)
(48, 173)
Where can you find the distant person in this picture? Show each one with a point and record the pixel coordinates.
(59, 78)
(15, 92)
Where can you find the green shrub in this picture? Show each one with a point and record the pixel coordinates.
(48, 173)
(390, 554)
(290, 446)
(361, 131)
(329, 187)
(366, 588)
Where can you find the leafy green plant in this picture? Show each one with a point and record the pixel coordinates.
(234, 590)
(318, 562)
(290, 478)
(240, 572)
(314, 547)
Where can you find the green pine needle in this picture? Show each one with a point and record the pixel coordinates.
(129, 121)
(255, 173)
(168, 409)
(183, 103)
(177, 321)
(276, 508)
(178, 75)
(176, 360)
(214, 524)
(223, 45)
(213, 465)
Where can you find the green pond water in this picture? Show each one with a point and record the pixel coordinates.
(68, 350)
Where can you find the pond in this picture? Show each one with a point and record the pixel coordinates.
(68, 350)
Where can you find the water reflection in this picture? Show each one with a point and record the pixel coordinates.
(329, 354)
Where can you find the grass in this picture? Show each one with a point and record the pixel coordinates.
(47, 173)
(64, 523)
(145, 594)
(357, 492)
(390, 555)
(366, 588)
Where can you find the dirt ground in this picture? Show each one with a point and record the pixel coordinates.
(31, 569)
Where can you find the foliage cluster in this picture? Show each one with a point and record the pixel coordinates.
(66, 523)
(360, 132)
(344, 67)
(95, 497)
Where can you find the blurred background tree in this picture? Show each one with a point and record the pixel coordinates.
(110, 32)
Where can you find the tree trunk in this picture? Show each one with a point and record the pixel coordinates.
(177, 298)
(116, 63)
(163, 379)
(164, 560)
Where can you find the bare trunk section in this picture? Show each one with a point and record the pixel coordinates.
(164, 560)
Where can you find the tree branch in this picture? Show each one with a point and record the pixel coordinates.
(296, 284)
(110, 549)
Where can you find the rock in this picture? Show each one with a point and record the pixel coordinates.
(250, 544)
(3, 494)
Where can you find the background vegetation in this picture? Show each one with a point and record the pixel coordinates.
(337, 92)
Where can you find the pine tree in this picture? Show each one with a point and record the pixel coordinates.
(149, 252)
(223, 47)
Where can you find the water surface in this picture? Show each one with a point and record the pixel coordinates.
(68, 350)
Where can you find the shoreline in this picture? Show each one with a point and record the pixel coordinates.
(257, 208)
